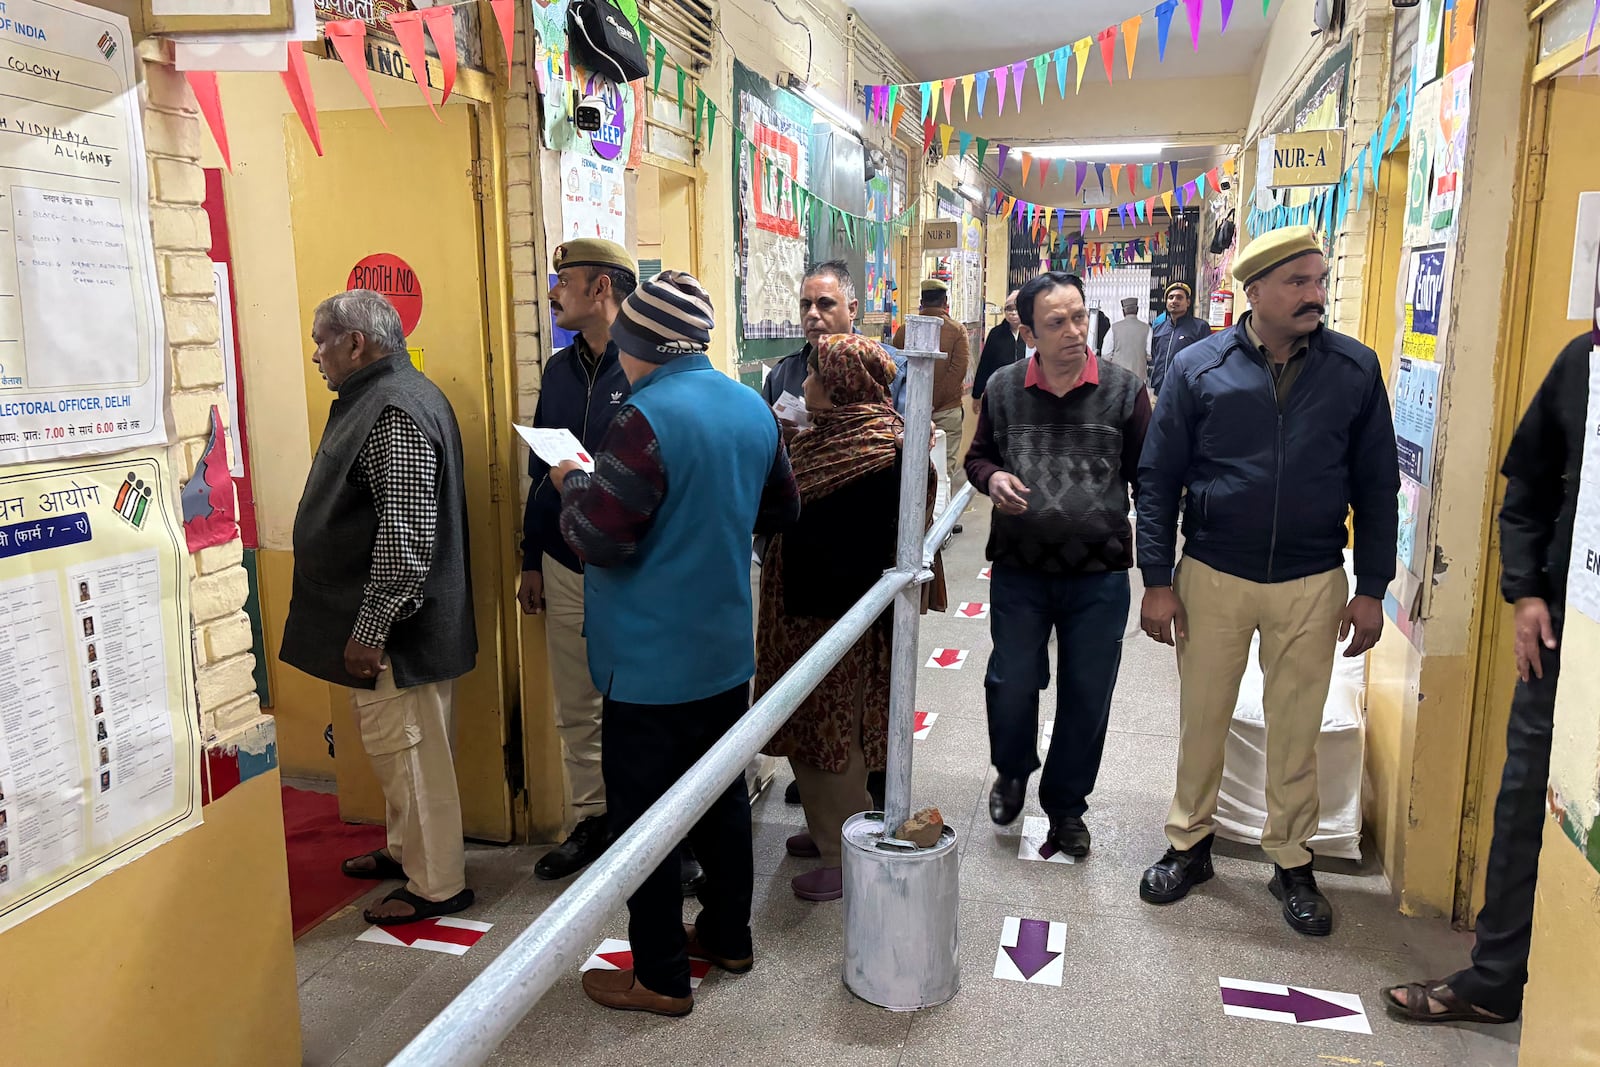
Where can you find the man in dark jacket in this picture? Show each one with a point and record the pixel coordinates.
(1003, 347)
(1542, 469)
(582, 390)
(1275, 430)
(382, 599)
(1173, 334)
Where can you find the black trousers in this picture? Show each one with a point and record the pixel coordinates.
(644, 749)
(1499, 968)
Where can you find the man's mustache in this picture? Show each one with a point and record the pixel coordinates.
(1318, 308)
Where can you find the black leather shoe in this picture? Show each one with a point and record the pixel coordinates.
(791, 795)
(1071, 836)
(956, 528)
(694, 877)
(589, 840)
(1006, 800)
(1304, 907)
(1176, 873)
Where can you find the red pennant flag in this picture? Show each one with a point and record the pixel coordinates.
(408, 31)
(502, 17)
(349, 38)
(928, 128)
(204, 84)
(1108, 48)
(297, 80)
(441, 23)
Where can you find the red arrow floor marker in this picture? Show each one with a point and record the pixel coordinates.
(986, 574)
(922, 724)
(446, 934)
(972, 610)
(950, 659)
(615, 954)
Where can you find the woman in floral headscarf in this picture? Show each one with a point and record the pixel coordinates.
(848, 469)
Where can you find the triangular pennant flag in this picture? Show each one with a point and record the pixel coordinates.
(982, 79)
(661, 62)
(408, 31)
(1183, 194)
(1143, 209)
(949, 93)
(1081, 50)
(1200, 185)
(1195, 9)
(945, 133)
(1061, 70)
(894, 118)
(1100, 173)
(967, 82)
(1377, 152)
(297, 81)
(1019, 72)
(894, 101)
(1002, 74)
(928, 130)
(204, 84)
(1027, 166)
(927, 98)
(700, 101)
(441, 24)
(1083, 172)
(1005, 154)
(1164, 12)
(1085, 222)
(1044, 170)
(503, 18)
(349, 38)
(1227, 166)
(1227, 13)
(1061, 219)
(1116, 176)
(966, 143)
(1130, 38)
(1361, 178)
(1105, 217)
(1166, 201)
(1173, 166)
(1041, 64)
(1149, 183)
(1061, 171)
(1108, 49)
(983, 150)
(1216, 179)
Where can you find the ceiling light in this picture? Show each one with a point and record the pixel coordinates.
(970, 193)
(1133, 149)
(809, 93)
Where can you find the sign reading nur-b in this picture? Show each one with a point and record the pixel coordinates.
(1315, 157)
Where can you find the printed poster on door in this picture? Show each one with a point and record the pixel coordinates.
(592, 199)
(99, 742)
(1424, 147)
(1416, 404)
(82, 342)
(1424, 303)
(560, 77)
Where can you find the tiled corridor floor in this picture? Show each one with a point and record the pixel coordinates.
(1140, 984)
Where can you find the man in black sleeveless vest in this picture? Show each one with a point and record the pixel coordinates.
(382, 597)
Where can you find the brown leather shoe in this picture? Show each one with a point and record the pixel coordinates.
(620, 990)
(698, 951)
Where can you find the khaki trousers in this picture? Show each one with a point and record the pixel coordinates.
(407, 735)
(1299, 626)
(577, 700)
(949, 420)
(830, 798)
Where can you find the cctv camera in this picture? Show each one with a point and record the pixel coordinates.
(1226, 185)
(590, 114)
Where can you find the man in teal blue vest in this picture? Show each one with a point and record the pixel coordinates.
(691, 468)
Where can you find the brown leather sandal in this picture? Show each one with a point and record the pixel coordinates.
(1411, 1002)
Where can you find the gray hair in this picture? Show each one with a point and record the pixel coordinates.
(837, 269)
(365, 312)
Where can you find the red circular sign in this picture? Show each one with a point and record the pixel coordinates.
(385, 273)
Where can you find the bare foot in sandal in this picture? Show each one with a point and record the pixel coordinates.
(1436, 1002)
(403, 906)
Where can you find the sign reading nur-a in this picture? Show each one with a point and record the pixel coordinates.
(1315, 157)
(941, 234)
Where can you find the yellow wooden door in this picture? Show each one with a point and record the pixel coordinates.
(1572, 138)
(409, 191)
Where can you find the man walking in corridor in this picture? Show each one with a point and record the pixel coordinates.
(582, 390)
(1173, 334)
(1542, 469)
(1267, 435)
(950, 376)
(1056, 449)
(664, 527)
(1003, 347)
(382, 598)
(1129, 344)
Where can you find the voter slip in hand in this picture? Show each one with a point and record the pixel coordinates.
(792, 409)
(556, 447)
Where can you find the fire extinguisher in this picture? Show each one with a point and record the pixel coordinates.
(1221, 309)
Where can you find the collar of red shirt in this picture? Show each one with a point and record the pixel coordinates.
(1091, 374)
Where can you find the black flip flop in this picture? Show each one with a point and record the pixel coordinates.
(384, 867)
(422, 908)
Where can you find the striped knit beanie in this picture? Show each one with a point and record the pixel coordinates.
(666, 317)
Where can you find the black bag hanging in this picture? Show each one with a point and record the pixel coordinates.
(604, 41)
(1222, 240)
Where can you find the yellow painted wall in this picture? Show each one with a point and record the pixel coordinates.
(182, 957)
(1560, 1026)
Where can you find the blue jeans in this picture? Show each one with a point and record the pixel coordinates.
(1089, 614)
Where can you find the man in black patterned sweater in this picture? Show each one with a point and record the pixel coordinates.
(1057, 449)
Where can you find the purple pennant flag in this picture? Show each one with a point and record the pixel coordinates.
(1195, 9)
(1083, 172)
(1018, 75)
(1083, 222)
(1005, 154)
(1100, 172)
(1001, 73)
(1183, 196)
(1164, 12)
(1021, 207)
(983, 88)
(1227, 13)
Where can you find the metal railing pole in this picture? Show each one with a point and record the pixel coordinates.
(922, 352)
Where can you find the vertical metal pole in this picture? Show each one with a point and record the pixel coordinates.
(922, 352)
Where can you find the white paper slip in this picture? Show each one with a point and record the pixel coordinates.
(555, 447)
(791, 408)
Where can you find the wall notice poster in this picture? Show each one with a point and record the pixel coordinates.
(1424, 147)
(1416, 402)
(1412, 518)
(592, 199)
(82, 346)
(773, 246)
(1430, 41)
(1450, 152)
(1424, 303)
(559, 78)
(99, 742)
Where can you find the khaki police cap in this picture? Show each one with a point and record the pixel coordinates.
(593, 252)
(1273, 250)
(934, 285)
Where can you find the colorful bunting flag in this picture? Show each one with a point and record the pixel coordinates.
(204, 85)
(1100, 173)
(1173, 166)
(966, 143)
(297, 82)
(1061, 70)
(661, 61)
(894, 102)
(1195, 9)
(1040, 65)
(927, 98)
(967, 82)
(945, 133)
(503, 19)
(408, 30)
(1019, 71)
(1081, 50)
(982, 79)
(1108, 49)
(1227, 13)
(1130, 38)
(1005, 153)
(1148, 182)
(1083, 172)
(1001, 75)
(1116, 177)
(1166, 201)
(949, 93)
(441, 24)
(1164, 12)
(1027, 166)
(983, 150)
(683, 84)
(928, 131)
(1061, 171)
(349, 38)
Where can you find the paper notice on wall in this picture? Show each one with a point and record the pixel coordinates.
(1583, 575)
(1424, 306)
(772, 284)
(99, 746)
(1455, 107)
(1585, 258)
(592, 199)
(1416, 402)
(82, 345)
(1420, 163)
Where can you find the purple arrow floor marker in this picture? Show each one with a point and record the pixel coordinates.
(1032, 953)
(1306, 1007)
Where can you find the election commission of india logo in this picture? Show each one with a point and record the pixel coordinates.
(133, 501)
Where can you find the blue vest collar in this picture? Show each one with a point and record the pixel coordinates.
(697, 361)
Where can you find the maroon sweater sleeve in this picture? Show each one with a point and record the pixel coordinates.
(984, 460)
